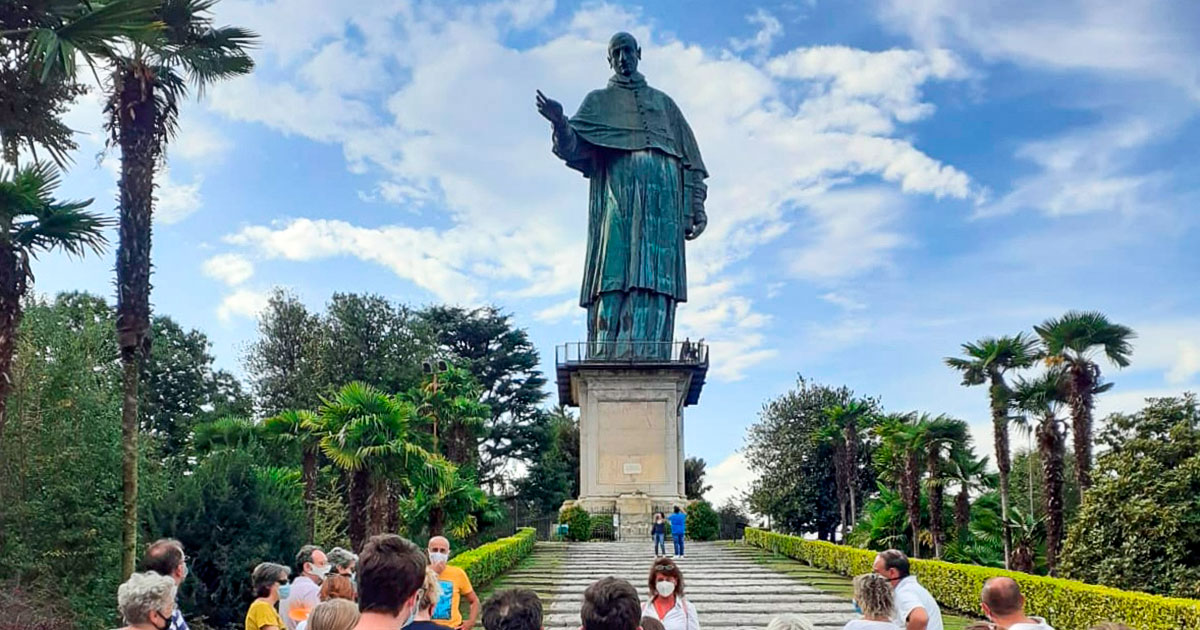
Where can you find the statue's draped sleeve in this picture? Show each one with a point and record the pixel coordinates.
(575, 151)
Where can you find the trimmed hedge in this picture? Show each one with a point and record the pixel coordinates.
(1066, 604)
(483, 564)
(579, 523)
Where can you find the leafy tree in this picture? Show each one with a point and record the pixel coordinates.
(579, 523)
(702, 521)
(448, 405)
(369, 339)
(446, 510)
(987, 361)
(1139, 525)
(1043, 398)
(901, 456)
(693, 478)
(841, 433)
(733, 519)
(554, 476)
(368, 434)
(1029, 490)
(505, 364)
(181, 389)
(970, 474)
(150, 78)
(795, 485)
(284, 362)
(304, 430)
(230, 514)
(32, 221)
(1072, 342)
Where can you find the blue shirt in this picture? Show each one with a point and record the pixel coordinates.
(677, 523)
(177, 622)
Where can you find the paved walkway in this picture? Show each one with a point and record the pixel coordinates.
(730, 590)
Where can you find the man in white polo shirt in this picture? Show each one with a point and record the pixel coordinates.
(915, 607)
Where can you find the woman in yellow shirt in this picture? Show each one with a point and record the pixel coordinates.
(270, 583)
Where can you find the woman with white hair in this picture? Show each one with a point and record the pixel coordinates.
(147, 601)
(789, 622)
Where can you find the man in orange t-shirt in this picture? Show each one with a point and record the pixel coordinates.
(455, 586)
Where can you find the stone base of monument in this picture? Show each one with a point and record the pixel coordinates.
(631, 431)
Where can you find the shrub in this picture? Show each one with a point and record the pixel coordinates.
(602, 527)
(1065, 604)
(483, 564)
(579, 523)
(703, 523)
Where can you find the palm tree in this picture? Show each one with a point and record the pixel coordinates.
(229, 433)
(449, 404)
(903, 443)
(1072, 342)
(987, 361)
(448, 509)
(304, 429)
(368, 434)
(32, 221)
(971, 475)
(1028, 530)
(941, 436)
(150, 79)
(1044, 397)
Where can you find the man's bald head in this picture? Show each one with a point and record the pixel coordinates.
(439, 543)
(1002, 597)
(439, 553)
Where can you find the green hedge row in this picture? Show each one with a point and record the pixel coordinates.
(1066, 604)
(483, 564)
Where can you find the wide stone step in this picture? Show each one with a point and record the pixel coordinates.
(758, 619)
(762, 599)
(739, 584)
(794, 592)
(731, 604)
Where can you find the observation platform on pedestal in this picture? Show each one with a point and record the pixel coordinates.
(571, 358)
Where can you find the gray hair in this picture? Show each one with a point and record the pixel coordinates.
(874, 595)
(789, 622)
(341, 558)
(895, 559)
(264, 577)
(306, 555)
(142, 593)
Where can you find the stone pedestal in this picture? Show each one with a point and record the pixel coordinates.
(631, 432)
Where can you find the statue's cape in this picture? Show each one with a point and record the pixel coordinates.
(629, 115)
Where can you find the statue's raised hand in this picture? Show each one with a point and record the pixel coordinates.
(551, 110)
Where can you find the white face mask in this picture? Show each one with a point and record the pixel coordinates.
(438, 558)
(665, 588)
(321, 572)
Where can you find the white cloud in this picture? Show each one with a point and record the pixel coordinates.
(769, 30)
(176, 201)
(729, 479)
(849, 233)
(566, 309)
(730, 326)
(1172, 347)
(844, 300)
(198, 140)
(232, 269)
(242, 303)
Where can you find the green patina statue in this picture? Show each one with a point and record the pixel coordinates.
(647, 196)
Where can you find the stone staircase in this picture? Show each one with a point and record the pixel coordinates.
(729, 589)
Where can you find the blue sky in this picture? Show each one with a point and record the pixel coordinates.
(889, 179)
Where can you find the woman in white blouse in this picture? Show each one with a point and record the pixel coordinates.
(667, 602)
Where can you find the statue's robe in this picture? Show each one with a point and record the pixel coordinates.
(646, 177)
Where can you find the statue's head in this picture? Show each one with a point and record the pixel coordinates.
(624, 54)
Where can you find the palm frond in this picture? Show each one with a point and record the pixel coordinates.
(91, 29)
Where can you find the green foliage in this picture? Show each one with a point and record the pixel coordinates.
(693, 478)
(733, 520)
(60, 458)
(796, 485)
(483, 564)
(1065, 604)
(230, 514)
(1139, 525)
(601, 527)
(447, 406)
(579, 523)
(284, 363)
(702, 521)
(554, 476)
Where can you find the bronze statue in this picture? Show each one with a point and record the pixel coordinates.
(647, 196)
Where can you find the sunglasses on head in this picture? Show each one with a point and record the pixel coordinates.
(663, 567)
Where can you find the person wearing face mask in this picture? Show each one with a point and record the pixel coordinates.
(147, 601)
(270, 584)
(391, 571)
(874, 600)
(455, 586)
(311, 566)
(658, 532)
(165, 557)
(667, 602)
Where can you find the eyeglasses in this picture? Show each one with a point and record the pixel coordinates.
(281, 581)
(663, 567)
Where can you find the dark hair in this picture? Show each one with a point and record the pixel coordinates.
(895, 559)
(676, 509)
(1002, 595)
(665, 566)
(651, 623)
(513, 609)
(390, 570)
(305, 555)
(163, 556)
(610, 604)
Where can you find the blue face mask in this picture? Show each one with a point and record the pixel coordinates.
(857, 609)
(285, 590)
